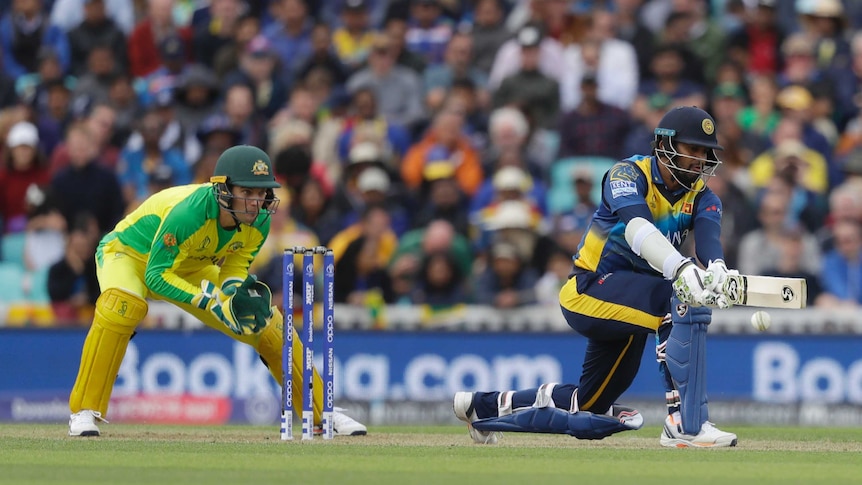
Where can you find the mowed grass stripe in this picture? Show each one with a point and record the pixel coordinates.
(39, 453)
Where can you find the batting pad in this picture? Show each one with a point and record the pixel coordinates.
(582, 424)
(117, 314)
(686, 362)
(269, 347)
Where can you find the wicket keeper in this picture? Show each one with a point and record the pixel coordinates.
(629, 281)
(192, 246)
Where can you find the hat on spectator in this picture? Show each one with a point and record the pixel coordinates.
(790, 148)
(795, 98)
(797, 44)
(529, 36)
(425, 2)
(381, 41)
(217, 123)
(511, 214)
(365, 152)
(172, 48)
(438, 164)
(511, 178)
(259, 47)
(354, 5)
(820, 8)
(582, 174)
(373, 178)
(766, 3)
(505, 250)
(23, 133)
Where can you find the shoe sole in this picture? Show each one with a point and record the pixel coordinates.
(86, 433)
(677, 443)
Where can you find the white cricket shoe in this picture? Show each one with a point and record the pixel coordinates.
(709, 436)
(83, 423)
(463, 407)
(344, 425)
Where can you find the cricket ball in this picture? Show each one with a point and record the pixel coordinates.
(761, 320)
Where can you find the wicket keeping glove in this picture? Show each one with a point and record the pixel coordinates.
(220, 303)
(253, 299)
(688, 284)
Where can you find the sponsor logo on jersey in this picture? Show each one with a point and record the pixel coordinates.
(620, 188)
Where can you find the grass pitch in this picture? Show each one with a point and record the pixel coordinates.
(140, 454)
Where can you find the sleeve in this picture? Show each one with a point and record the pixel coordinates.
(707, 228)
(169, 249)
(624, 186)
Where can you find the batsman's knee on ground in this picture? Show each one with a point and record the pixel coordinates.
(118, 312)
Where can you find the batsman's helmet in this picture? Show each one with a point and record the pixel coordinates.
(244, 166)
(693, 126)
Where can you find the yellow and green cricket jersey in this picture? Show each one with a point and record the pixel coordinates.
(176, 233)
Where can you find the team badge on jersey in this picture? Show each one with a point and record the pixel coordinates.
(687, 208)
(622, 180)
(260, 168)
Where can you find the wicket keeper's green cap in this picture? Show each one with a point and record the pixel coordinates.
(245, 166)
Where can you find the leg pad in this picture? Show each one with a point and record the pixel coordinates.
(582, 425)
(118, 312)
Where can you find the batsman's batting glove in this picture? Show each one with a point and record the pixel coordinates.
(220, 304)
(688, 284)
(716, 279)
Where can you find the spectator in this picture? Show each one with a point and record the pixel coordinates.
(24, 165)
(528, 88)
(86, 186)
(100, 121)
(508, 182)
(429, 31)
(757, 44)
(227, 58)
(612, 61)
(440, 284)
(196, 96)
(555, 276)
(239, 108)
(257, 70)
(593, 128)
(761, 116)
(362, 252)
(841, 276)
(489, 33)
(439, 235)
(72, 284)
(759, 250)
(124, 102)
(70, 14)
(24, 31)
(208, 38)
(290, 37)
(825, 22)
(632, 29)
(507, 282)
(438, 78)
(93, 85)
(396, 29)
(138, 166)
(32, 88)
(352, 40)
(509, 57)
(323, 57)
(96, 29)
(811, 167)
(164, 79)
(365, 122)
(569, 226)
(738, 211)
(145, 55)
(441, 197)
(313, 208)
(395, 87)
(444, 141)
(53, 120)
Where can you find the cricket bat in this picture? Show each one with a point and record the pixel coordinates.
(766, 291)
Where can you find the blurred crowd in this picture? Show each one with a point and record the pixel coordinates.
(450, 152)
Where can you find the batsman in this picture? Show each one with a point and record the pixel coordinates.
(630, 281)
(192, 246)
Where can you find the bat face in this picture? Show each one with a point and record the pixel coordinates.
(766, 291)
